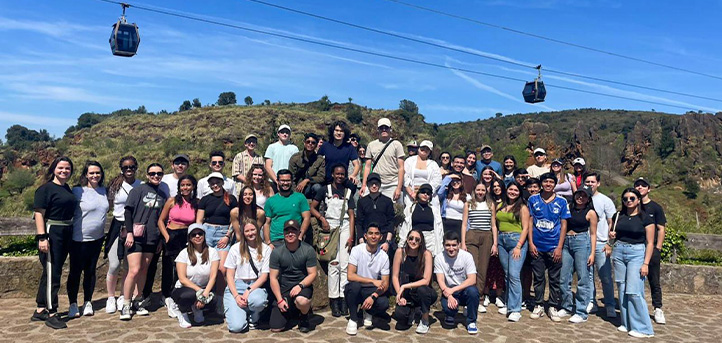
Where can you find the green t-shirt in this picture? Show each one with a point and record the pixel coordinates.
(280, 209)
(507, 222)
(291, 265)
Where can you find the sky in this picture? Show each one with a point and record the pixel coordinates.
(55, 61)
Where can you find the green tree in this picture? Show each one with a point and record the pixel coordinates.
(350, 100)
(498, 114)
(88, 119)
(267, 102)
(185, 106)
(248, 100)
(141, 110)
(20, 137)
(354, 114)
(226, 98)
(18, 180)
(197, 103)
(691, 188)
(409, 106)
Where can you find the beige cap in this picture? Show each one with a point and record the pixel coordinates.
(427, 144)
(540, 150)
(384, 121)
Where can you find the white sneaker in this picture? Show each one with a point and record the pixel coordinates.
(125, 312)
(576, 319)
(554, 315)
(119, 303)
(659, 316)
(171, 307)
(499, 303)
(482, 308)
(184, 321)
(514, 317)
(563, 313)
(73, 311)
(198, 316)
(422, 328)
(639, 334)
(502, 310)
(486, 301)
(88, 309)
(368, 320)
(592, 307)
(611, 312)
(352, 327)
(142, 311)
(621, 328)
(110, 306)
(537, 313)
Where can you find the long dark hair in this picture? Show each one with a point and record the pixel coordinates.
(192, 252)
(588, 206)
(516, 204)
(508, 157)
(179, 198)
(50, 174)
(441, 164)
(499, 197)
(84, 174)
(422, 251)
(462, 193)
(640, 207)
(117, 182)
(247, 211)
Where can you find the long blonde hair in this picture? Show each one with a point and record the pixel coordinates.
(243, 244)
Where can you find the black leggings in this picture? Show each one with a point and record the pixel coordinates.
(178, 239)
(83, 258)
(422, 297)
(185, 297)
(60, 238)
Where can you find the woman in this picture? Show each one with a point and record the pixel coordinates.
(118, 191)
(633, 231)
(54, 207)
(88, 234)
(566, 186)
(258, 179)
(580, 169)
(361, 149)
(421, 169)
(509, 166)
(411, 278)
(479, 234)
(142, 236)
(578, 254)
(425, 218)
(445, 163)
(488, 175)
(470, 164)
(178, 213)
(495, 272)
(453, 198)
(340, 151)
(197, 267)
(514, 222)
(247, 271)
(247, 210)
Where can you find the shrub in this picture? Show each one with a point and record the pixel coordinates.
(18, 180)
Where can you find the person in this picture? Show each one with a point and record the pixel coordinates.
(308, 168)
(509, 169)
(179, 212)
(514, 221)
(579, 165)
(320, 143)
(546, 242)
(421, 215)
(445, 163)
(169, 183)
(420, 169)
(243, 161)
(578, 254)
(456, 274)
(354, 139)
(279, 153)
(566, 185)
(88, 232)
(339, 215)
(368, 281)
(468, 180)
(284, 206)
(486, 160)
(540, 165)
(292, 272)
(412, 148)
(470, 165)
(258, 179)
(197, 267)
(655, 211)
(533, 187)
(453, 197)
(479, 234)
(521, 175)
(118, 190)
(487, 176)
(379, 209)
(633, 232)
(54, 208)
(603, 264)
(248, 210)
(386, 158)
(247, 268)
(361, 151)
(142, 239)
(411, 278)
(341, 150)
(218, 160)
(495, 272)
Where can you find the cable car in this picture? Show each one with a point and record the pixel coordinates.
(124, 39)
(535, 91)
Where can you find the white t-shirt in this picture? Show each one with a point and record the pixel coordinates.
(121, 197)
(90, 214)
(455, 269)
(204, 189)
(535, 171)
(605, 210)
(169, 184)
(280, 154)
(369, 265)
(199, 274)
(244, 271)
(455, 209)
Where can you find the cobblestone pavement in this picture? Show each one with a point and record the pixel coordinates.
(690, 319)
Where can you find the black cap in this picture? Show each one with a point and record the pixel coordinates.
(549, 176)
(641, 181)
(373, 176)
(291, 224)
(182, 157)
(586, 190)
(426, 187)
(559, 161)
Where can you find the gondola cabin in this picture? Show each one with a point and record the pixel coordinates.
(124, 39)
(534, 92)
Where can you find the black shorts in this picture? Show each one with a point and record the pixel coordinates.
(142, 248)
(279, 319)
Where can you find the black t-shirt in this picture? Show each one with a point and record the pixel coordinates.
(379, 210)
(337, 193)
(578, 222)
(144, 205)
(657, 214)
(58, 201)
(422, 218)
(216, 210)
(291, 265)
(630, 229)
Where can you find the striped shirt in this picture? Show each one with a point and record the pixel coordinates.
(480, 217)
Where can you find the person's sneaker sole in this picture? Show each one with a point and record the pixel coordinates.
(639, 334)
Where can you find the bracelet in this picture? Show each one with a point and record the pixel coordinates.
(41, 237)
(280, 301)
(237, 295)
(374, 297)
(301, 285)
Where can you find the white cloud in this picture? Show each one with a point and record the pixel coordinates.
(29, 119)
(59, 93)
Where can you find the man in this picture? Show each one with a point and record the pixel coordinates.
(412, 148)
(486, 155)
(546, 241)
(292, 271)
(533, 186)
(456, 274)
(278, 154)
(656, 212)
(603, 264)
(386, 158)
(169, 182)
(244, 160)
(218, 160)
(308, 167)
(283, 206)
(378, 209)
(340, 151)
(457, 165)
(368, 280)
(540, 165)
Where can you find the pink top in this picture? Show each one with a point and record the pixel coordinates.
(182, 215)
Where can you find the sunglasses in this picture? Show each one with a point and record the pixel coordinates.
(284, 132)
(155, 174)
(249, 142)
(352, 139)
(291, 231)
(425, 192)
(215, 163)
(180, 162)
(384, 128)
(414, 239)
(628, 199)
(197, 234)
(445, 157)
(312, 142)
(124, 168)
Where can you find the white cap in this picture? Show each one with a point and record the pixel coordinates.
(284, 126)
(413, 144)
(579, 160)
(384, 121)
(540, 150)
(427, 144)
(216, 175)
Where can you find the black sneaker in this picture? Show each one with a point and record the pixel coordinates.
(303, 325)
(39, 316)
(55, 322)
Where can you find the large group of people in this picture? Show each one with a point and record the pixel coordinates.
(244, 246)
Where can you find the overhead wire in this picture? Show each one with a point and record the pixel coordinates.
(378, 54)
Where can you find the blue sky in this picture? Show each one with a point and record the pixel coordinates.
(56, 64)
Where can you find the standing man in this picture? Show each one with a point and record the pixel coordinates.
(549, 213)
(603, 264)
(485, 160)
(284, 206)
(339, 150)
(244, 160)
(540, 165)
(368, 280)
(169, 182)
(308, 167)
(218, 160)
(456, 274)
(278, 154)
(292, 271)
(386, 158)
(654, 211)
(378, 209)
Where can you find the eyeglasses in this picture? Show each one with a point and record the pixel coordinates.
(197, 234)
(425, 192)
(156, 174)
(445, 157)
(312, 142)
(124, 168)
(215, 163)
(414, 239)
(629, 199)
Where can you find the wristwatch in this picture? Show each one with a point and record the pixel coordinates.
(374, 297)
(301, 285)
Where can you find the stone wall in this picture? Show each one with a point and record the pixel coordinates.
(699, 241)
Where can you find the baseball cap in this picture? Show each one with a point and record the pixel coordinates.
(413, 144)
(182, 157)
(540, 150)
(384, 121)
(426, 187)
(284, 126)
(427, 144)
(548, 176)
(640, 181)
(585, 189)
(372, 177)
(558, 161)
(194, 227)
(215, 175)
(291, 224)
(251, 136)
(485, 147)
(579, 160)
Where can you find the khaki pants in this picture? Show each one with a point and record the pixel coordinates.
(479, 243)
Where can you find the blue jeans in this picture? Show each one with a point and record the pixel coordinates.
(512, 268)
(214, 233)
(575, 254)
(628, 260)
(603, 266)
(236, 317)
(468, 297)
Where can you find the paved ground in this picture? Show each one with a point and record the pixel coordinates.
(690, 319)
